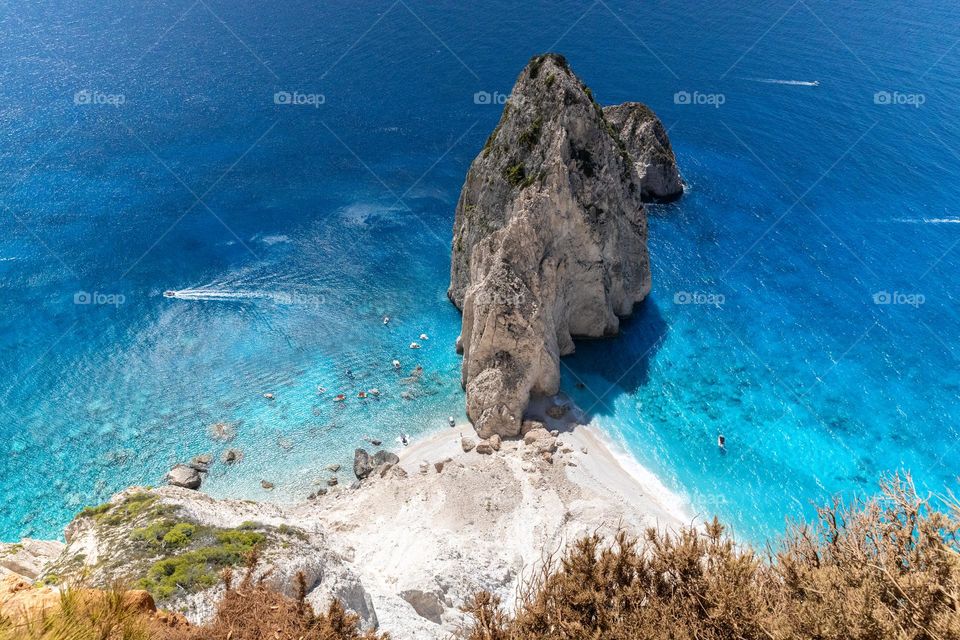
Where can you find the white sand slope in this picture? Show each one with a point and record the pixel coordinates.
(483, 522)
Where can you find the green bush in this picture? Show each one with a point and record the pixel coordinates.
(179, 535)
(199, 569)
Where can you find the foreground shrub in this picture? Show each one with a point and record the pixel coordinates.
(84, 614)
(253, 611)
(884, 568)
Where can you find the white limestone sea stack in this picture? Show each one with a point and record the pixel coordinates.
(550, 239)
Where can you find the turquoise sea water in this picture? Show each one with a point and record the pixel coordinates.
(144, 149)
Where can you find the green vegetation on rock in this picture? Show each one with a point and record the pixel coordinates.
(199, 568)
(165, 533)
(515, 174)
(531, 136)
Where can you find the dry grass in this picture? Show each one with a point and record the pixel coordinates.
(85, 615)
(885, 568)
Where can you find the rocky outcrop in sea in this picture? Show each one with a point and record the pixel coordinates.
(648, 145)
(550, 238)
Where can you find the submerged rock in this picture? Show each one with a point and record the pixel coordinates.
(230, 456)
(550, 242)
(647, 143)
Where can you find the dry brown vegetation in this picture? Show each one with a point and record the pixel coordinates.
(885, 568)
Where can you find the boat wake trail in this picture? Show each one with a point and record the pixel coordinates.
(798, 83)
(214, 294)
(235, 295)
(929, 220)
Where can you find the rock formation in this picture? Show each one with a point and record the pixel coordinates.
(185, 476)
(550, 241)
(647, 142)
(174, 542)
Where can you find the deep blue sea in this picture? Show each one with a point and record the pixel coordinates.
(293, 169)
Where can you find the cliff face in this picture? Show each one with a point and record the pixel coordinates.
(647, 142)
(550, 242)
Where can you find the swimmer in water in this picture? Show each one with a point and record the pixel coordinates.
(721, 442)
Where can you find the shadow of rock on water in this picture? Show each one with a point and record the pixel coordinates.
(600, 369)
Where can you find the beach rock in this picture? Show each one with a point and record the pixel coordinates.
(230, 456)
(363, 464)
(529, 425)
(397, 472)
(484, 448)
(266, 484)
(332, 481)
(550, 242)
(495, 442)
(648, 145)
(333, 468)
(547, 456)
(427, 604)
(184, 476)
(439, 466)
(467, 444)
(385, 457)
(534, 435)
(424, 467)
(204, 459)
(384, 469)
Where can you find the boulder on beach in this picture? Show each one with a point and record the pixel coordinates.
(363, 464)
(425, 603)
(385, 457)
(467, 444)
